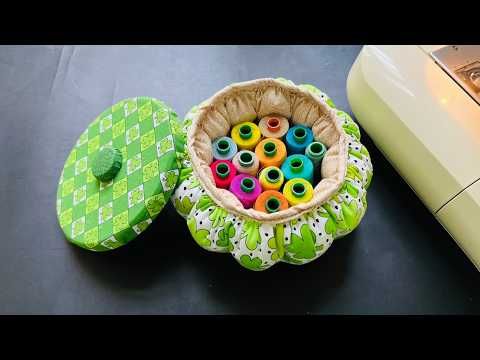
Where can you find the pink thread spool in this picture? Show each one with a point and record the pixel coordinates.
(223, 172)
(246, 188)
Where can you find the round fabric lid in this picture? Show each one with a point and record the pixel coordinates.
(120, 174)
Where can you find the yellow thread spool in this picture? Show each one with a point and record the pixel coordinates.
(271, 152)
(298, 191)
(271, 178)
(246, 135)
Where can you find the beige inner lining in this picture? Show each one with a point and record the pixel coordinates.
(253, 100)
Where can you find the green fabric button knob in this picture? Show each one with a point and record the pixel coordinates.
(107, 164)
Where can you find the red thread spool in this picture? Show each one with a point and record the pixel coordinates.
(273, 124)
(223, 172)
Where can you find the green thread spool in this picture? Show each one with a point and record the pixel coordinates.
(315, 151)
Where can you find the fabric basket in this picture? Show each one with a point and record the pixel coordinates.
(217, 220)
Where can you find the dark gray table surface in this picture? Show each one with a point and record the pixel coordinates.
(398, 261)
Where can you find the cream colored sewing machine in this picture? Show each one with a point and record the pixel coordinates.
(421, 107)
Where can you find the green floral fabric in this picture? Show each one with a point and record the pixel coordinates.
(103, 216)
(258, 246)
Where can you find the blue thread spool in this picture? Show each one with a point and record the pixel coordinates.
(298, 166)
(297, 139)
(224, 148)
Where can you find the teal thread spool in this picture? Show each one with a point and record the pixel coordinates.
(315, 151)
(298, 138)
(224, 148)
(298, 166)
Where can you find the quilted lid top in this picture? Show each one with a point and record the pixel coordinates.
(120, 174)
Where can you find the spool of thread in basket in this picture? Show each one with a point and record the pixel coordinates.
(273, 126)
(297, 139)
(246, 188)
(271, 201)
(224, 148)
(223, 173)
(271, 178)
(271, 152)
(298, 166)
(246, 162)
(298, 191)
(315, 151)
(246, 135)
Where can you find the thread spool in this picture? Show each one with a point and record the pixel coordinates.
(246, 162)
(298, 138)
(223, 173)
(315, 151)
(273, 126)
(246, 135)
(271, 152)
(298, 191)
(271, 178)
(298, 166)
(224, 148)
(271, 201)
(246, 188)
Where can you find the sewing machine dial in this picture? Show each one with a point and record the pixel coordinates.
(462, 63)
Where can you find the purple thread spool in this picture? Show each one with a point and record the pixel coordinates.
(246, 188)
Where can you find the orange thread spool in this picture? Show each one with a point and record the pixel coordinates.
(271, 152)
(271, 201)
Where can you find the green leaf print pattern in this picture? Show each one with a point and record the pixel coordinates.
(155, 204)
(251, 234)
(353, 173)
(217, 217)
(352, 214)
(350, 127)
(200, 236)
(226, 234)
(171, 178)
(254, 264)
(194, 183)
(276, 243)
(349, 188)
(137, 195)
(330, 226)
(204, 203)
(183, 206)
(303, 247)
(339, 221)
(165, 145)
